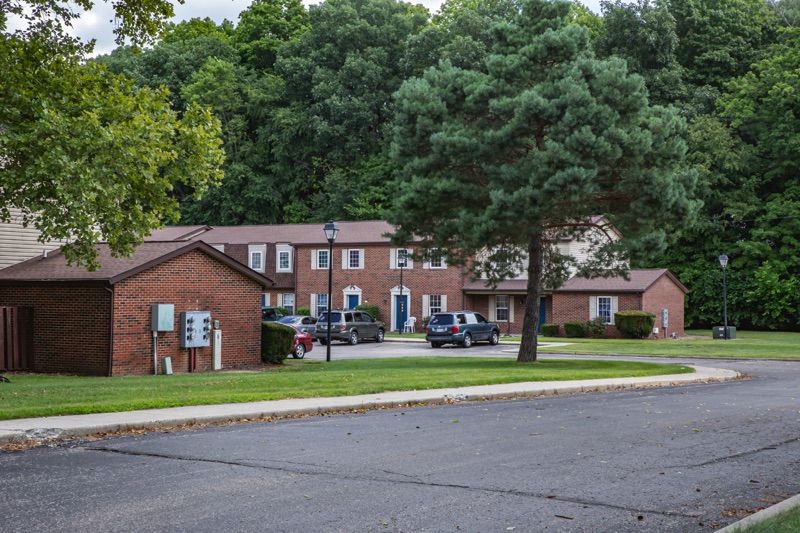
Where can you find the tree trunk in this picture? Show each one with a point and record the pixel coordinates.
(527, 348)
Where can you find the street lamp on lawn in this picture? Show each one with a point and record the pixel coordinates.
(331, 230)
(723, 261)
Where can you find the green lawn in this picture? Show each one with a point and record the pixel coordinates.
(698, 343)
(788, 522)
(34, 395)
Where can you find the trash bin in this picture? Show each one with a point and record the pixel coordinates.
(166, 365)
(718, 332)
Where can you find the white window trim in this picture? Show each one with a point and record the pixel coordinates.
(593, 301)
(426, 304)
(282, 301)
(346, 259)
(428, 263)
(394, 256)
(493, 308)
(260, 249)
(315, 259)
(281, 249)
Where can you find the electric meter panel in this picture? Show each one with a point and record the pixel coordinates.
(195, 329)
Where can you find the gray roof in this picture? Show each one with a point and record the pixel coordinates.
(509, 285)
(640, 280)
(112, 269)
(363, 232)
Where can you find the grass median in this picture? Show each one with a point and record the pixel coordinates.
(36, 395)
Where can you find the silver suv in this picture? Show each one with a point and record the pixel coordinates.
(460, 327)
(349, 325)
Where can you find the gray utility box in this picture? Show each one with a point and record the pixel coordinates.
(163, 317)
(718, 332)
(195, 329)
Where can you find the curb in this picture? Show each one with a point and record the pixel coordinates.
(779, 508)
(70, 426)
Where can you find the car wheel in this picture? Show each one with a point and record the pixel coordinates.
(467, 342)
(353, 339)
(379, 336)
(494, 338)
(300, 351)
(436, 345)
(323, 341)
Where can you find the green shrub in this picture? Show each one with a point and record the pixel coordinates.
(276, 342)
(575, 330)
(596, 327)
(373, 310)
(550, 330)
(283, 310)
(425, 321)
(634, 324)
(304, 311)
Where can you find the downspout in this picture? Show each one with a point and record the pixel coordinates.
(110, 332)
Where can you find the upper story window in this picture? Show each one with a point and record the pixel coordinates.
(320, 259)
(353, 259)
(435, 259)
(256, 255)
(283, 254)
(400, 258)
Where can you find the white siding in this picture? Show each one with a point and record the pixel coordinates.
(18, 243)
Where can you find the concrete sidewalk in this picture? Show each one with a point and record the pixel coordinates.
(21, 430)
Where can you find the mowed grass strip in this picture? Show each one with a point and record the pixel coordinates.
(36, 395)
(746, 345)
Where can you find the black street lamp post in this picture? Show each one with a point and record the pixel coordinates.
(723, 261)
(331, 230)
(401, 262)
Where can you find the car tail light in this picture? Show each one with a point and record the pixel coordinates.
(342, 327)
(427, 329)
(455, 328)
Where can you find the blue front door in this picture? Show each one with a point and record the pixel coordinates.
(352, 301)
(401, 311)
(542, 313)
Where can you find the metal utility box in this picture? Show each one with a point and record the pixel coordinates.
(195, 329)
(718, 332)
(163, 318)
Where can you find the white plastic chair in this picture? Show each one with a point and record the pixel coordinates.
(409, 325)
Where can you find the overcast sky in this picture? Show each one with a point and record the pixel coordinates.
(98, 23)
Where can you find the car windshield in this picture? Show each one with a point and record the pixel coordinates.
(441, 320)
(287, 320)
(335, 317)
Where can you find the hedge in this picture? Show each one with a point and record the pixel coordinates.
(276, 342)
(373, 310)
(304, 311)
(550, 330)
(634, 324)
(575, 330)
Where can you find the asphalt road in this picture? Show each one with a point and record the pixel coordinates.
(692, 458)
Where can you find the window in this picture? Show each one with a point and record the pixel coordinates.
(604, 308)
(288, 303)
(436, 260)
(256, 254)
(257, 261)
(435, 303)
(402, 258)
(322, 259)
(322, 303)
(283, 254)
(354, 259)
(501, 308)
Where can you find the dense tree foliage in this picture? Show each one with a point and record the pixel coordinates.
(537, 142)
(84, 155)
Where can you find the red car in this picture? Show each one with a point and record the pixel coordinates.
(303, 342)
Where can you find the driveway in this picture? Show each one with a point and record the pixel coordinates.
(690, 458)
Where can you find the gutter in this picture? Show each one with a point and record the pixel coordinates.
(111, 332)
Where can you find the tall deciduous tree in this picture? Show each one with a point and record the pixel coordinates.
(83, 155)
(541, 140)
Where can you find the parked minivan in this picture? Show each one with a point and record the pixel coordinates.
(460, 327)
(349, 325)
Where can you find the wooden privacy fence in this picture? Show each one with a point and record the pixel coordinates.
(16, 338)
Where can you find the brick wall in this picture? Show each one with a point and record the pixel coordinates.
(574, 307)
(480, 303)
(191, 282)
(664, 294)
(376, 281)
(71, 325)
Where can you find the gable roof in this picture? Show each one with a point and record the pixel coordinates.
(112, 269)
(640, 280)
(361, 232)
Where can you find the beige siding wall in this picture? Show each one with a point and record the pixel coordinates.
(18, 243)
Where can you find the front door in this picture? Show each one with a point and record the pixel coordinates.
(542, 313)
(352, 301)
(401, 311)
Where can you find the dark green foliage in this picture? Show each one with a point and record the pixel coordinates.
(373, 310)
(304, 311)
(634, 324)
(276, 342)
(550, 330)
(283, 310)
(575, 330)
(596, 327)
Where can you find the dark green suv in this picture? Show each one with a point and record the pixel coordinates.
(460, 327)
(349, 325)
